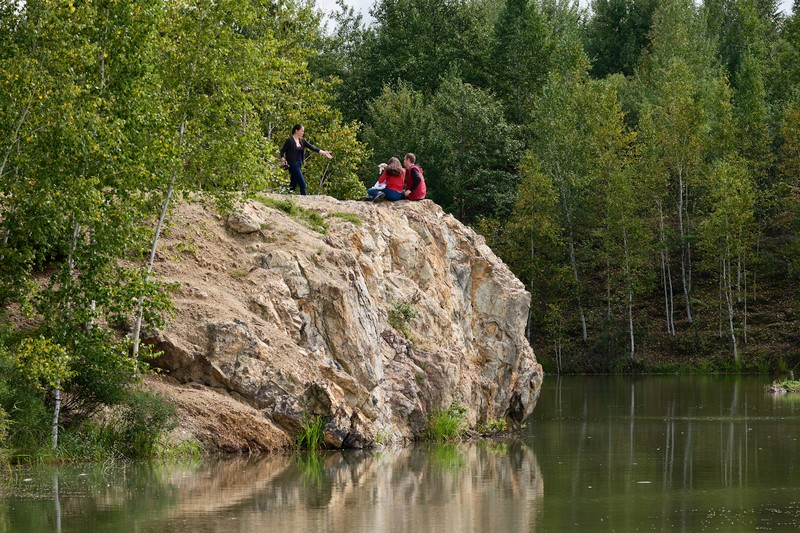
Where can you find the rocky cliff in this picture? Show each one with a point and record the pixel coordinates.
(371, 316)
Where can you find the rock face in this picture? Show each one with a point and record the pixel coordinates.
(396, 311)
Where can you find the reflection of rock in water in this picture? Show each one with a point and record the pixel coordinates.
(475, 487)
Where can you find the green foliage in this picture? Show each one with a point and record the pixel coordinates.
(349, 217)
(312, 219)
(400, 316)
(445, 425)
(137, 428)
(449, 35)
(312, 434)
(522, 49)
(788, 384)
(491, 427)
(616, 35)
(43, 363)
(145, 419)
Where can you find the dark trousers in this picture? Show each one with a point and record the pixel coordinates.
(296, 178)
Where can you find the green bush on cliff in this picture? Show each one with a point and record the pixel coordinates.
(400, 315)
(448, 424)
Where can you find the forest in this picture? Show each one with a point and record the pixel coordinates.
(635, 163)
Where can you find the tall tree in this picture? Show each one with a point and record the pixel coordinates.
(522, 56)
(72, 175)
(727, 235)
(617, 35)
(562, 150)
(684, 98)
(414, 41)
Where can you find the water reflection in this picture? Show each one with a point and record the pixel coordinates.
(619, 454)
(446, 488)
(675, 452)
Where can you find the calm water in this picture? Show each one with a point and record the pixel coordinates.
(599, 454)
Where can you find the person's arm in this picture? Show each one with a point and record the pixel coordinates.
(286, 147)
(415, 180)
(319, 151)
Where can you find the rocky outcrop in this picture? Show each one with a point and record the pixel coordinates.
(394, 311)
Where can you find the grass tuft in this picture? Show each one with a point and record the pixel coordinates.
(312, 219)
(447, 425)
(312, 435)
(349, 217)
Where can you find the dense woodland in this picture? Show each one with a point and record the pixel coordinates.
(635, 164)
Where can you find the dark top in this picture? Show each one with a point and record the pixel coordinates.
(413, 178)
(294, 153)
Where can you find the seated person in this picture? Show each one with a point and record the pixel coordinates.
(391, 184)
(415, 182)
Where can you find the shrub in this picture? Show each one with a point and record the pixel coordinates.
(789, 385)
(145, 420)
(446, 424)
(400, 315)
(493, 426)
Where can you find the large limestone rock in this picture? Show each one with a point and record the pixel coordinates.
(289, 322)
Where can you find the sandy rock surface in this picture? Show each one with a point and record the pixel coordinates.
(277, 321)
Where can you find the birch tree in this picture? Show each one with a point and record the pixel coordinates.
(727, 235)
(681, 87)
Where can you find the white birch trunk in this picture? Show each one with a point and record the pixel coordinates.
(729, 300)
(666, 274)
(744, 335)
(137, 330)
(684, 248)
(574, 264)
(629, 275)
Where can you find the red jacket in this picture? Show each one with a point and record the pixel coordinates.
(394, 183)
(421, 190)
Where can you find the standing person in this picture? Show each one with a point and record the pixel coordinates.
(292, 154)
(393, 180)
(415, 188)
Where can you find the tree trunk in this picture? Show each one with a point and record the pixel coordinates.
(726, 274)
(744, 337)
(15, 138)
(720, 313)
(629, 275)
(684, 249)
(56, 413)
(57, 392)
(574, 264)
(137, 330)
(666, 274)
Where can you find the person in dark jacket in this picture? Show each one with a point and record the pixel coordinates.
(292, 155)
(415, 188)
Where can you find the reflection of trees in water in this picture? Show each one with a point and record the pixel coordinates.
(450, 488)
(444, 488)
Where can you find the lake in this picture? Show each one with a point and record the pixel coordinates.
(681, 453)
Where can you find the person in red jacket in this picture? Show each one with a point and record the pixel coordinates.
(393, 176)
(415, 181)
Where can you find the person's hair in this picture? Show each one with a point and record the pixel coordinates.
(394, 168)
(411, 157)
(296, 127)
